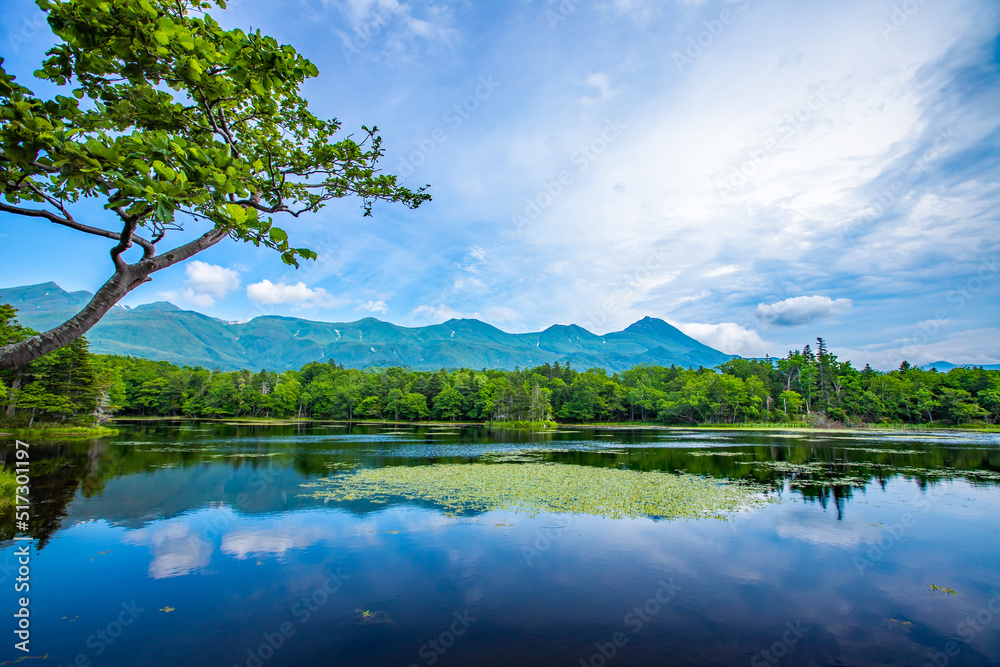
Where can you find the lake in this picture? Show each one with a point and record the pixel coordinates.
(212, 543)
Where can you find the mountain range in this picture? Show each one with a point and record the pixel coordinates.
(162, 331)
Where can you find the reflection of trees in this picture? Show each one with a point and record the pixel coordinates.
(824, 471)
(56, 471)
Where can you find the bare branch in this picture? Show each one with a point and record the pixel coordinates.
(73, 224)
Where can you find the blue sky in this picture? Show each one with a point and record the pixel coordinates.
(757, 174)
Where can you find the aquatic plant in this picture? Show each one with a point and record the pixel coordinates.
(535, 488)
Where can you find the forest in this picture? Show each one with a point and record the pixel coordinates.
(74, 386)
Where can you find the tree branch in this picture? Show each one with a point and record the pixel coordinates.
(73, 224)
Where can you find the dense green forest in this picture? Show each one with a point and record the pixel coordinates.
(73, 385)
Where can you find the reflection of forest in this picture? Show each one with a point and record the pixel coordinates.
(212, 462)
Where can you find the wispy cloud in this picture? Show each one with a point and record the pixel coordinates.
(375, 306)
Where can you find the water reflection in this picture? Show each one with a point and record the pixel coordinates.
(206, 528)
(161, 469)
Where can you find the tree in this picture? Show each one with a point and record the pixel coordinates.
(414, 406)
(790, 400)
(448, 403)
(184, 123)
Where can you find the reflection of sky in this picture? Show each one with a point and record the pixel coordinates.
(533, 583)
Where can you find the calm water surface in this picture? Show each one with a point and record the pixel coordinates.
(189, 543)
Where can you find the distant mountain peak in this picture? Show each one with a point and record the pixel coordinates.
(562, 327)
(159, 305)
(651, 324)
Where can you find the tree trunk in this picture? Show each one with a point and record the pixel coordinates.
(15, 386)
(125, 279)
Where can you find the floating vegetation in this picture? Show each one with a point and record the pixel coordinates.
(342, 465)
(812, 474)
(935, 589)
(167, 609)
(876, 450)
(535, 488)
(368, 617)
(716, 453)
(516, 456)
(22, 658)
(524, 455)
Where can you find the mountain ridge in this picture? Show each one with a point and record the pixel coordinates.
(163, 331)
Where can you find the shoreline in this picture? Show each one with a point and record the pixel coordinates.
(612, 426)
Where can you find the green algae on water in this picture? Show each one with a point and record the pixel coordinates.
(535, 488)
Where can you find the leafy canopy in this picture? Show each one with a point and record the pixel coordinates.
(169, 114)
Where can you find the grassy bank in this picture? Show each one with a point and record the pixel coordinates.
(44, 432)
(7, 487)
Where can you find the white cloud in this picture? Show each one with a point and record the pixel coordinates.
(474, 260)
(602, 82)
(206, 283)
(727, 337)
(375, 306)
(216, 281)
(722, 271)
(801, 310)
(440, 312)
(298, 294)
(177, 547)
(820, 535)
